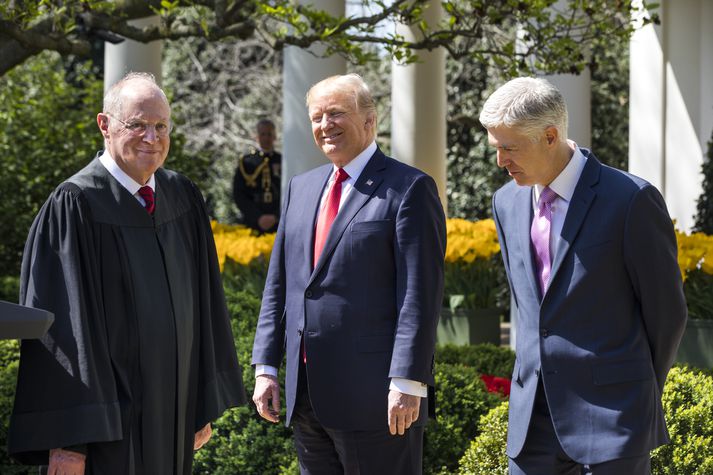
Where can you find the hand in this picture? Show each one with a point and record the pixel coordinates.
(66, 462)
(266, 221)
(267, 388)
(403, 411)
(202, 437)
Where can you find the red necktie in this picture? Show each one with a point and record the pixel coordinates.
(147, 194)
(328, 213)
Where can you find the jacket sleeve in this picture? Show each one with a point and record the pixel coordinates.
(420, 245)
(651, 259)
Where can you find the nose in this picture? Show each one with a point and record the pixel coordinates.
(150, 135)
(325, 121)
(501, 158)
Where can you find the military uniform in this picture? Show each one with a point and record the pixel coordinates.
(256, 186)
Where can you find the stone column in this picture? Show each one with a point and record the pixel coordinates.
(300, 71)
(418, 107)
(131, 55)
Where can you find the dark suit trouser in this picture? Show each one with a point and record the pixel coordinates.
(325, 451)
(543, 454)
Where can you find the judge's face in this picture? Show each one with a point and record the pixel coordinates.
(340, 130)
(527, 162)
(138, 140)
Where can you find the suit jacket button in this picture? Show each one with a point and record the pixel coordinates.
(544, 333)
(299, 332)
(308, 294)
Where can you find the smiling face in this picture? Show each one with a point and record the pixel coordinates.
(340, 130)
(138, 155)
(527, 162)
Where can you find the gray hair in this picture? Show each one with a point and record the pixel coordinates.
(113, 99)
(351, 84)
(527, 104)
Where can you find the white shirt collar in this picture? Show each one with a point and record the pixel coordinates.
(566, 181)
(356, 166)
(121, 176)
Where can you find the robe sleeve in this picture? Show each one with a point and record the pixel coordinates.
(66, 393)
(220, 382)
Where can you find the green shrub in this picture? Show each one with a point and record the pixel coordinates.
(461, 398)
(486, 454)
(688, 405)
(485, 358)
(9, 362)
(10, 288)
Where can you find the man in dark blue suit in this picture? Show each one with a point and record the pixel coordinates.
(352, 297)
(591, 259)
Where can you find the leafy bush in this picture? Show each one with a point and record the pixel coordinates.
(486, 454)
(461, 398)
(688, 405)
(9, 363)
(485, 358)
(10, 288)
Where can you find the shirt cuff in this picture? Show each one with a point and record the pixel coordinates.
(261, 369)
(409, 386)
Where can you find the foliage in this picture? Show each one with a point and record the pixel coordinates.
(704, 210)
(551, 39)
(610, 101)
(220, 91)
(461, 398)
(9, 288)
(474, 275)
(486, 454)
(695, 259)
(9, 363)
(242, 441)
(484, 358)
(688, 405)
(47, 133)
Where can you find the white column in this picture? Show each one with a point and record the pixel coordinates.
(131, 55)
(418, 107)
(647, 104)
(300, 71)
(577, 92)
(671, 113)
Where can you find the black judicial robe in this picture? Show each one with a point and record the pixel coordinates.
(141, 354)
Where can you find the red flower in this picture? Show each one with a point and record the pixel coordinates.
(496, 384)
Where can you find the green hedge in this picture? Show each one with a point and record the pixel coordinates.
(485, 358)
(9, 362)
(688, 407)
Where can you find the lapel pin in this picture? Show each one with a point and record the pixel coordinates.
(369, 182)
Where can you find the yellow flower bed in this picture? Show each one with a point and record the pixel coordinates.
(240, 243)
(695, 251)
(470, 240)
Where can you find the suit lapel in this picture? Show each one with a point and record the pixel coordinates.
(524, 214)
(578, 207)
(367, 183)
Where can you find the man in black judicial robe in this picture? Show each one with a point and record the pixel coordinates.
(141, 357)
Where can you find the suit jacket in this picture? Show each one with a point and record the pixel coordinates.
(368, 311)
(606, 331)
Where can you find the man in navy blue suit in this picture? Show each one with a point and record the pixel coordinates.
(591, 259)
(352, 297)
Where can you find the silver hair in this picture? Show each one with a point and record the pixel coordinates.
(527, 104)
(353, 85)
(113, 99)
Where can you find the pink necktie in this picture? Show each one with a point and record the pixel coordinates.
(328, 213)
(147, 194)
(540, 235)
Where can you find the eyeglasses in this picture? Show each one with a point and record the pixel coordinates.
(139, 128)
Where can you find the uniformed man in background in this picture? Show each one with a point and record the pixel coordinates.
(256, 185)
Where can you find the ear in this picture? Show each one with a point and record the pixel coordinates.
(370, 120)
(103, 123)
(551, 135)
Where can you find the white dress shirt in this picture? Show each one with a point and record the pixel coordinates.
(125, 180)
(564, 186)
(354, 169)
